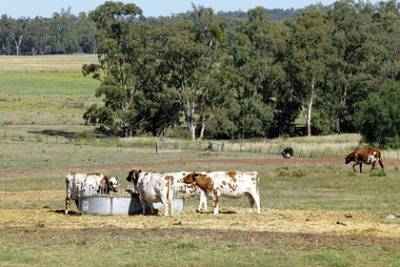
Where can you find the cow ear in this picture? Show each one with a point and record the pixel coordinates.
(139, 171)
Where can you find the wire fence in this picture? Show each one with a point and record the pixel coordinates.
(265, 147)
(168, 145)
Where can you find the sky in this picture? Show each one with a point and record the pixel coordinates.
(154, 8)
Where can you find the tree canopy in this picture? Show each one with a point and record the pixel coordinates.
(226, 75)
(249, 76)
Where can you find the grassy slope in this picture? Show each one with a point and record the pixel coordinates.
(44, 89)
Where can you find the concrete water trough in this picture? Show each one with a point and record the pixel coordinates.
(120, 205)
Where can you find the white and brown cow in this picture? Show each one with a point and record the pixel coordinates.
(188, 189)
(365, 156)
(85, 184)
(230, 184)
(152, 188)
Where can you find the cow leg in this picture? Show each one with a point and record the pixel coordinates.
(354, 166)
(152, 212)
(256, 199)
(165, 201)
(67, 200)
(360, 167)
(373, 165)
(381, 163)
(251, 201)
(215, 199)
(143, 205)
(203, 201)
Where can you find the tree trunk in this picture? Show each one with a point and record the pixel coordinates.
(203, 127)
(18, 45)
(189, 118)
(309, 109)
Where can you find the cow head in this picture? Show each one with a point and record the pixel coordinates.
(113, 184)
(350, 158)
(190, 178)
(133, 176)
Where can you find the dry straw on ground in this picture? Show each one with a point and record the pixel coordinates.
(271, 220)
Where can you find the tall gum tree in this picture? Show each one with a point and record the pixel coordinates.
(309, 54)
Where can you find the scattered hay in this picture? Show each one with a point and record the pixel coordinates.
(270, 220)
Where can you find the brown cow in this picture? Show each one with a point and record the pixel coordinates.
(366, 156)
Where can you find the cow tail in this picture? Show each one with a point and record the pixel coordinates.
(258, 179)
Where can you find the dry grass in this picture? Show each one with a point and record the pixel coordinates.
(48, 63)
(272, 220)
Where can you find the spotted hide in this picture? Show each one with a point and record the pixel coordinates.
(161, 187)
(229, 184)
(365, 156)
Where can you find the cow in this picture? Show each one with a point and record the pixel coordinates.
(152, 188)
(230, 184)
(85, 184)
(189, 189)
(149, 195)
(365, 156)
(287, 153)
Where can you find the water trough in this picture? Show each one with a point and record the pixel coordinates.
(120, 205)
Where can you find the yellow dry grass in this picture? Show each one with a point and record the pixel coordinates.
(273, 220)
(48, 63)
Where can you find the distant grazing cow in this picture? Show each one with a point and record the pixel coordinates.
(230, 184)
(365, 156)
(81, 184)
(287, 152)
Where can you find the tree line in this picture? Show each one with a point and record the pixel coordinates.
(242, 78)
(63, 33)
(331, 68)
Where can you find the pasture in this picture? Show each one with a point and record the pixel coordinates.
(315, 210)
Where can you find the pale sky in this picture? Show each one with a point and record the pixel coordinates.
(155, 8)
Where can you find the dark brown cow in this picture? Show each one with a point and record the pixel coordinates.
(366, 156)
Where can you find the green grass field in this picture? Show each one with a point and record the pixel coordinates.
(315, 210)
(52, 91)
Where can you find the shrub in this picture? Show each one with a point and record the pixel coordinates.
(378, 117)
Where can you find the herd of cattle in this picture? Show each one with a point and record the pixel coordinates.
(154, 187)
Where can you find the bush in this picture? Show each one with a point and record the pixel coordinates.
(378, 117)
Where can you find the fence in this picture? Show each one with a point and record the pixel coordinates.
(301, 150)
(168, 145)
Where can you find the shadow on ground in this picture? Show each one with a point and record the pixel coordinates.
(55, 133)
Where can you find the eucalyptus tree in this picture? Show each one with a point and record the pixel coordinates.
(190, 62)
(113, 21)
(309, 54)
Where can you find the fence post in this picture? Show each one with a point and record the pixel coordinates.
(157, 146)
